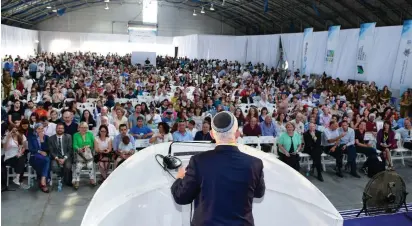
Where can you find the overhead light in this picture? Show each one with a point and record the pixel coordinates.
(211, 7)
(36, 41)
(54, 10)
(107, 7)
(49, 7)
(194, 12)
(106, 0)
(223, 3)
(203, 10)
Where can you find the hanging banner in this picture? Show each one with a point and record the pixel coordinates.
(307, 39)
(331, 47)
(402, 75)
(365, 47)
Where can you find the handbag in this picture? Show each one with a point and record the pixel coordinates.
(85, 156)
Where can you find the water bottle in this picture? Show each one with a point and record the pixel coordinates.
(31, 183)
(60, 185)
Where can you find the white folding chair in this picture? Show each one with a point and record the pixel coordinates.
(141, 143)
(268, 140)
(400, 153)
(247, 140)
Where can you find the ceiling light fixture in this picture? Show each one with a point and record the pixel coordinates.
(107, 7)
(106, 0)
(203, 10)
(54, 10)
(194, 12)
(49, 7)
(211, 7)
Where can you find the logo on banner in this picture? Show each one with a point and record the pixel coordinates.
(330, 55)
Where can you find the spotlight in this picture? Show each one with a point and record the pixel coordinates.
(203, 10)
(107, 7)
(194, 12)
(211, 7)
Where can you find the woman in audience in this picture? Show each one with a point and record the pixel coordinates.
(385, 142)
(263, 113)
(280, 123)
(88, 118)
(290, 144)
(119, 118)
(163, 135)
(15, 113)
(240, 117)
(385, 95)
(34, 119)
(25, 129)
(39, 156)
(54, 117)
(14, 147)
(83, 146)
(104, 154)
(252, 113)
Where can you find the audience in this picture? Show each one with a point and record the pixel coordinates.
(175, 101)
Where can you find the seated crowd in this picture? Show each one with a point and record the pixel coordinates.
(63, 113)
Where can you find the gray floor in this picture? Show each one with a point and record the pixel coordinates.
(34, 208)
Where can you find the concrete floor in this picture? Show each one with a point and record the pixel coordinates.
(66, 208)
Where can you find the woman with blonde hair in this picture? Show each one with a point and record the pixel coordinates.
(83, 146)
(290, 144)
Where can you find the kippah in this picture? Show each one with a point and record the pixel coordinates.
(223, 121)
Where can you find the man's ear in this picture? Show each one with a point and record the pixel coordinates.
(237, 134)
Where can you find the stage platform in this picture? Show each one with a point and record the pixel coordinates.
(66, 208)
(398, 219)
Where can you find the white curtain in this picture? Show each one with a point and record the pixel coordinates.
(345, 58)
(232, 48)
(263, 49)
(292, 47)
(17, 41)
(57, 42)
(317, 53)
(187, 45)
(385, 50)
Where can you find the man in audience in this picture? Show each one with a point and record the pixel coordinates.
(204, 134)
(140, 131)
(132, 121)
(330, 142)
(104, 112)
(406, 134)
(347, 145)
(268, 128)
(118, 139)
(181, 134)
(252, 129)
(49, 127)
(112, 129)
(70, 127)
(61, 151)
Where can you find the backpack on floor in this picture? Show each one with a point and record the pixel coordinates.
(375, 164)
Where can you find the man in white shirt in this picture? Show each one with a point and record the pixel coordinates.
(112, 129)
(103, 112)
(330, 142)
(49, 127)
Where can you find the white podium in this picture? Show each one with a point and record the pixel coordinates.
(138, 193)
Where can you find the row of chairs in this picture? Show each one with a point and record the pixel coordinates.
(399, 153)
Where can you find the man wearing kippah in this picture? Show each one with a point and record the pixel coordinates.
(222, 182)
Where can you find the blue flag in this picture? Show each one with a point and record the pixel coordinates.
(266, 5)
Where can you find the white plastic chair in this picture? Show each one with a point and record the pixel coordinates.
(247, 140)
(268, 140)
(141, 143)
(400, 153)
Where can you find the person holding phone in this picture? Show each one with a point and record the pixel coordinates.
(14, 145)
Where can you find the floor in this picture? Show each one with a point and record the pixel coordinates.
(66, 208)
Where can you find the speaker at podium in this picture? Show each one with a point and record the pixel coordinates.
(138, 193)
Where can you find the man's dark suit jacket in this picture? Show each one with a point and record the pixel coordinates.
(67, 147)
(223, 183)
(312, 146)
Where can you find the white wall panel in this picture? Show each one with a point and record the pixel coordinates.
(171, 21)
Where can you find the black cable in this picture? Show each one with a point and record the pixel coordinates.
(164, 167)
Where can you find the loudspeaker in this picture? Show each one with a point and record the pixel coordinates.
(176, 51)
